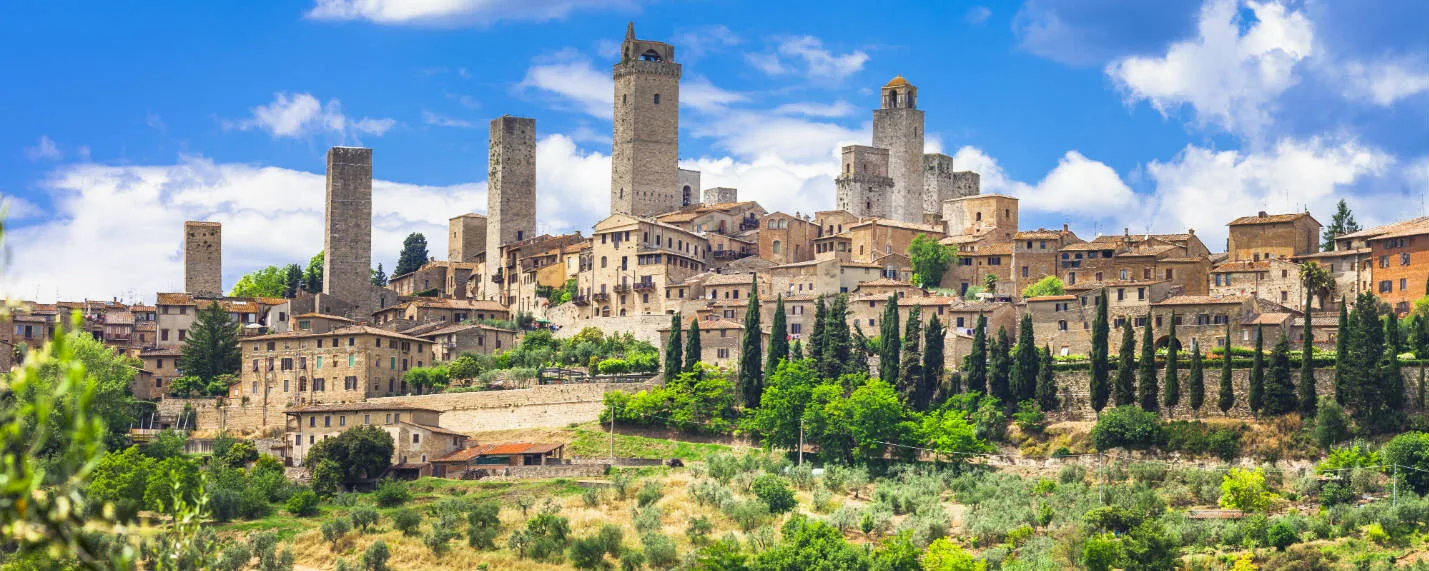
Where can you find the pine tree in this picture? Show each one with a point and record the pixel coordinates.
(858, 354)
(1342, 339)
(1279, 391)
(834, 359)
(1362, 366)
(313, 277)
(815, 346)
(1195, 380)
(379, 277)
(1025, 362)
(413, 256)
(692, 346)
(977, 358)
(1046, 382)
(1226, 400)
(1342, 223)
(1307, 367)
(933, 339)
(1124, 393)
(778, 337)
(1099, 386)
(292, 280)
(212, 345)
(674, 358)
(910, 370)
(751, 374)
(1147, 389)
(888, 333)
(1001, 368)
(1257, 372)
(1173, 369)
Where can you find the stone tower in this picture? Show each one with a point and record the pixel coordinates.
(347, 224)
(468, 238)
(510, 188)
(203, 257)
(898, 127)
(689, 183)
(863, 185)
(645, 150)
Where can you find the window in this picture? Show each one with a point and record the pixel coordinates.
(1402, 285)
(1404, 259)
(657, 98)
(1120, 294)
(417, 438)
(1386, 286)
(1170, 273)
(1140, 293)
(163, 334)
(1123, 275)
(796, 328)
(1062, 325)
(1024, 271)
(342, 420)
(722, 353)
(312, 421)
(1384, 261)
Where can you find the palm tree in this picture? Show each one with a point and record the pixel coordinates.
(1317, 280)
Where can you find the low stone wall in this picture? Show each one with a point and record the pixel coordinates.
(643, 327)
(538, 472)
(1072, 386)
(541, 406)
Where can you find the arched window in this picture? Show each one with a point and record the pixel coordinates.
(602, 261)
(651, 55)
(686, 201)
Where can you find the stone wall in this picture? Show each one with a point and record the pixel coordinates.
(203, 257)
(347, 226)
(541, 406)
(511, 191)
(1073, 387)
(644, 327)
(541, 472)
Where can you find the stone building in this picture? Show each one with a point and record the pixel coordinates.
(1400, 258)
(1265, 236)
(689, 182)
(941, 183)
(467, 242)
(718, 194)
(1179, 258)
(991, 215)
(431, 276)
(1275, 279)
(511, 192)
(178, 311)
(875, 238)
(645, 148)
(347, 223)
(416, 435)
(203, 257)
(863, 186)
(1035, 254)
(632, 261)
(437, 310)
(785, 238)
(898, 127)
(162, 365)
(451, 341)
(719, 339)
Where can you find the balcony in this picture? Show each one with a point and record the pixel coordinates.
(581, 300)
(621, 288)
(600, 297)
(729, 254)
(644, 286)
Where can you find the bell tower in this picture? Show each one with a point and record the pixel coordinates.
(898, 127)
(645, 149)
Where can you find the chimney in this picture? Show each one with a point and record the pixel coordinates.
(1261, 214)
(1191, 231)
(1064, 226)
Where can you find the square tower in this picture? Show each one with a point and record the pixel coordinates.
(203, 257)
(898, 127)
(863, 186)
(347, 225)
(992, 215)
(721, 195)
(689, 182)
(645, 149)
(467, 240)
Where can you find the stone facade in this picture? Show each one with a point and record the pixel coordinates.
(511, 188)
(467, 243)
(720, 195)
(898, 127)
(864, 188)
(689, 183)
(1275, 279)
(785, 239)
(645, 149)
(633, 260)
(203, 257)
(981, 215)
(1265, 236)
(347, 221)
(415, 432)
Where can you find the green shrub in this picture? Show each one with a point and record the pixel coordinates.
(648, 519)
(775, 493)
(1281, 535)
(660, 551)
(363, 517)
(650, 492)
(392, 493)
(376, 556)
(1126, 427)
(1199, 438)
(406, 521)
(613, 367)
(747, 514)
(699, 529)
(303, 504)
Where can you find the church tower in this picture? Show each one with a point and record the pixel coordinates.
(645, 150)
(898, 127)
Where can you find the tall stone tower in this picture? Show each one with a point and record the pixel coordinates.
(468, 237)
(645, 150)
(510, 188)
(347, 225)
(203, 257)
(863, 186)
(898, 127)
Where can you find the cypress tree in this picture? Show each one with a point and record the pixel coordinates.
(1195, 380)
(910, 370)
(1147, 389)
(293, 280)
(888, 333)
(1362, 365)
(1279, 392)
(692, 346)
(1307, 366)
(778, 336)
(815, 347)
(1257, 372)
(977, 358)
(1392, 377)
(1227, 394)
(674, 359)
(1173, 370)
(1124, 392)
(1025, 362)
(933, 338)
(751, 374)
(1001, 368)
(1046, 383)
(1100, 387)
(796, 351)
(1342, 338)
(834, 359)
(379, 277)
(858, 351)
(212, 345)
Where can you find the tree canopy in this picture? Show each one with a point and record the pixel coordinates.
(930, 259)
(212, 345)
(1050, 285)
(269, 281)
(414, 254)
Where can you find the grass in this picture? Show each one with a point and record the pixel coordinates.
(595, 444)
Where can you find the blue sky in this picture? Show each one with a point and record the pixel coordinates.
(122, 120)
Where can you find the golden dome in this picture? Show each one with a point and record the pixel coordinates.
(897, 81)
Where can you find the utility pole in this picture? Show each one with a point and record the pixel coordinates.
(1395, 500)
(801, 442)
(1101, 479)
(612, 434)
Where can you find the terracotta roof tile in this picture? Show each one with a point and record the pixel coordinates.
(1268, 219)
(1202, 300)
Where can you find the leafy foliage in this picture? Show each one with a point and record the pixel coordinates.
(930, 260)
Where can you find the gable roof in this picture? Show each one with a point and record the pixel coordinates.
(1263, 218)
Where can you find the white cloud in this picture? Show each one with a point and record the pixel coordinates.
(838, 108)
(570, 75)
(1231, 73)
(977, 14)
(446, 13)
(1386, 81)
(1077, 185)
(443, 121)
(701, 95)
(17, 208)
(694, 43)
(301, 115)
(806, 56)
(44, 149)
